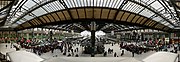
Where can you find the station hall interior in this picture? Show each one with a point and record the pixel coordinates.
(89, 30)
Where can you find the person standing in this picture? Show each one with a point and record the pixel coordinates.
(133, 53)
(105, 54)
(6, 46)
(115, 54)
(122, 53)
(77, 49)
(52, 49)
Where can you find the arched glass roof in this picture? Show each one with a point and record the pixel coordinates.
(159, 10)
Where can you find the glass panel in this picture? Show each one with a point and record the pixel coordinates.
(157, 19)
(57, 6)
(28, 17)
(30, 3)
(125, 6)
(171, 26)
(18, 22)
(14, 25)
(156, 5)
(163, 22)
(38, 1)
(81, 2)
(39, 12)
(105, 3)
(173, 21)
(92, 4)
(72, 3)
(95, 3)
(2, 16)
(166, 24)
(68, 3)
(147, 13)
(118, 3)
(22, 21)
(130, 6)
(100, 3)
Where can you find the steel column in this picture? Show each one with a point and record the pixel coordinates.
(93, 30)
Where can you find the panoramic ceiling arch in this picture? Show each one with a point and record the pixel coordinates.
(93, 13)
(161, 11)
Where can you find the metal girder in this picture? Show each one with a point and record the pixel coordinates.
(110, 28)
(119, 27)
(32, 9)
(147, 5)
(85, 25)
(8, 12)
(130, 29)
(16, 9)
(8, 5)
(71, 26)
(7, 29)
(168, 9)
(104, 27)
(173, 4)
(152, 11)
(43, 9)
(65, 29)
(54, 28)
(100, 25)
(79, 26)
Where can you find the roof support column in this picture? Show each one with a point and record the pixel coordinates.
(42, 33)
(32, 33)
(93, 30)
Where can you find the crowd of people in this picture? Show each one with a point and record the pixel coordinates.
(67, 48)
(40, 47)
